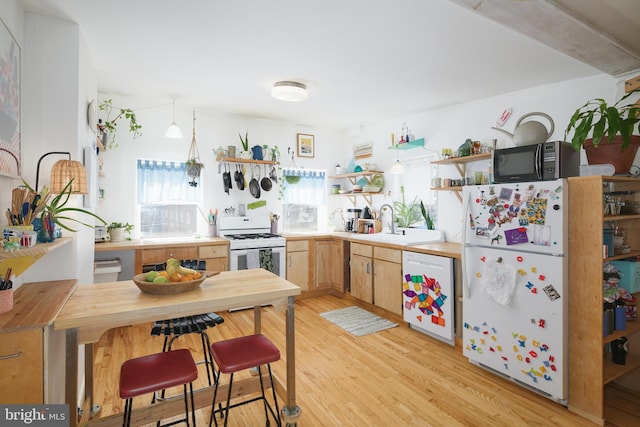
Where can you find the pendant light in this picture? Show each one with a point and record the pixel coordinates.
(173, 131)
(397, 168)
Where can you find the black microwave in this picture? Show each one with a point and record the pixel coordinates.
(537, 162)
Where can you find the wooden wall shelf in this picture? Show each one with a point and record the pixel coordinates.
(19, 261)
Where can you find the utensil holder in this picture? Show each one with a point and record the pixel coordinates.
(6, 301)
(213, 230)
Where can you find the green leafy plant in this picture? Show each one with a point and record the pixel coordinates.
(427, 218)
(406, 213)
(110, 125)
(56, 210)
(126, 226)
(245, 141)
(604, 122)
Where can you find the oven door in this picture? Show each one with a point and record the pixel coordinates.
(271, 259)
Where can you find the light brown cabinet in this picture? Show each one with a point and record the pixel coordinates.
(216, 257)
(32, 355)
(329, 264)
(376, 276)
(298, 263)
(590, 365)
(361, 272)
(387, 279)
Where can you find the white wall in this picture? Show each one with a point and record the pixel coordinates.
(213, 130)
(449, 127)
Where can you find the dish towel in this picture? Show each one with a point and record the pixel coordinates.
(266, 259)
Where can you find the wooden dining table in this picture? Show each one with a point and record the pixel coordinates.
(93, 309)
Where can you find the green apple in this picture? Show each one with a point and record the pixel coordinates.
(151, 275)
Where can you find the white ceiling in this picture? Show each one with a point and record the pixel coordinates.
(362, 60)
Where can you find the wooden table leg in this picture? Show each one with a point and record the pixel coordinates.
(291, 411)
(71, 375)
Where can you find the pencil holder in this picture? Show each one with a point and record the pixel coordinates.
(6, 301)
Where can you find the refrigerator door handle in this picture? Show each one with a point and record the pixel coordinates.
(463, 261)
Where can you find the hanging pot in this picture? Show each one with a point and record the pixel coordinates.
(254, 186)
(239, 178)
(226, 179)
(265, 182)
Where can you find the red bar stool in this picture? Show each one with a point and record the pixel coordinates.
(238, 354)
(155, 372)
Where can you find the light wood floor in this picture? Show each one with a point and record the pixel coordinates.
(396, 377)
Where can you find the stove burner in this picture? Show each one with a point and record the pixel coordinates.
(251, 236)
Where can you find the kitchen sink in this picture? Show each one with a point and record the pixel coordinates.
(409, 238)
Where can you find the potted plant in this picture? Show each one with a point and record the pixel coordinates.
(406, 214)
(117, 231)
(55, 213)
(193, 167)
(110, 124)
(614, 130)
(245, 153)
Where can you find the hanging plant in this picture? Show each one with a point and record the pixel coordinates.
(110, 125)
(193, 163)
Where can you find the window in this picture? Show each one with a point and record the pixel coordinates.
(304, 199)
(167, 204)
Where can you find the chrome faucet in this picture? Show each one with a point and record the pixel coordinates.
(393, 231)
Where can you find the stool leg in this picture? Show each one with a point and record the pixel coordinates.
(213, 404)
(208, 360)
(226, 413)
(275, 398)
(264, 399)
(193, 406)
(126, 417)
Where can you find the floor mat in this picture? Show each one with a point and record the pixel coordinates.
(358, 321)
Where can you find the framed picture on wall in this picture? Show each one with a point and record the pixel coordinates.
(10, 94)
(306, 146)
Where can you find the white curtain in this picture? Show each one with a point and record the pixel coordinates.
(164, 182)
(309, 190)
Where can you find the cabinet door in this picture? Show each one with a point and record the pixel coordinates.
(324, 264)
(217, 264)
(337, 265)
(21, 365)
(361, 278)
(387, 285)
(298, 269)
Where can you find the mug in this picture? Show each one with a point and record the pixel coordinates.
(231, 151)
(446, 182)
(436, 182)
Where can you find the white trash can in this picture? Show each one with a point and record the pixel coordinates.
(106, 270)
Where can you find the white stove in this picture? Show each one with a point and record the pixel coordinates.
(252, 245)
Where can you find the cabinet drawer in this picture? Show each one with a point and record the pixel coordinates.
(158, 256)
(387, 254)
(298, 245)
(360, 249)
(217, 251)
(22, 366)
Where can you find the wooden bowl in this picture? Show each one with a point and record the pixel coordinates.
(170, 288)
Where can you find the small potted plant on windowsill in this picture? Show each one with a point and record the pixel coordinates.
(117, 231)
(608, 133)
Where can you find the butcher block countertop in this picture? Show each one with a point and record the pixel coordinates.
(36, 304)
(158, 243)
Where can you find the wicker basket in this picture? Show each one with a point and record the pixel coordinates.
(170, 288)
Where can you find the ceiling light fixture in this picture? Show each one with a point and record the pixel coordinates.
(289, 91)
(397, 168)
(173, 131)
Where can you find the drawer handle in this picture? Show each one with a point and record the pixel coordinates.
(11, 356)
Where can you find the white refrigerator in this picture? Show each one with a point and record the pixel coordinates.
(514, 268)
(428, 294)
